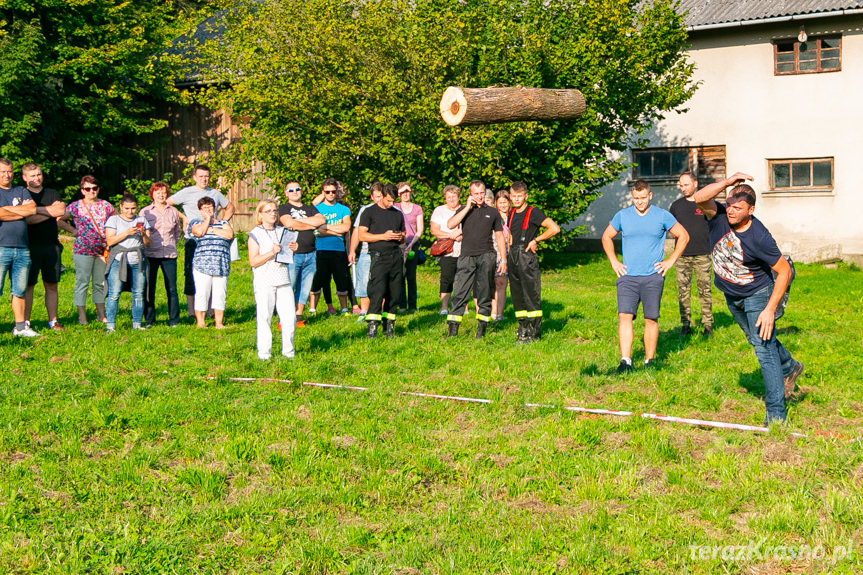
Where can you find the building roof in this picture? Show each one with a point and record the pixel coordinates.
(706, 14)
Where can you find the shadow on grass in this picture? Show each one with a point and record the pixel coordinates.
(753, 383)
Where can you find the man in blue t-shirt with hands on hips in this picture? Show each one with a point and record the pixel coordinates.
(641, 276)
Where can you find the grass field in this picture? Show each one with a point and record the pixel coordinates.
(117, 455)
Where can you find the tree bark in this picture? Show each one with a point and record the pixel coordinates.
(477, 106)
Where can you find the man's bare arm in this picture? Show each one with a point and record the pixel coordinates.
(704, 196)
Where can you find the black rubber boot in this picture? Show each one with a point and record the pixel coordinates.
(480, 329)
(521, 333)
(373, 329)
(389, 327)
(453, 329)
(536, 328)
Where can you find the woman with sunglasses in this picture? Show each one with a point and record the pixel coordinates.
(271, 279)
(89, 216)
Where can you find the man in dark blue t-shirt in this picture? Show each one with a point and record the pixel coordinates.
(16, 206)
(744, 253)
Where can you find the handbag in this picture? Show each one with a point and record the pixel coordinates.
(442, 247)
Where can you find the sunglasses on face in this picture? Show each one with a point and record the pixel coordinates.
(329, 191)
(91, 189)
(292, 190)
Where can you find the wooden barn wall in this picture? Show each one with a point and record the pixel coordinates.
(193, 133)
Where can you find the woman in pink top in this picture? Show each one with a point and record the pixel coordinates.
(166, 228)
(413, 232)
(89, 216)
(498, 303)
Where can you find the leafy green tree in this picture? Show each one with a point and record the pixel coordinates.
(80, 78)
(351, 90)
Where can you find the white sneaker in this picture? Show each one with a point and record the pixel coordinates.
(26, 332)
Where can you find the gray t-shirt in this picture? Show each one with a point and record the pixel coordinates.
(188, 197)
(13, 234)
(134, 241)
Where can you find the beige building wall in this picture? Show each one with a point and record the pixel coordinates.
(759, 116)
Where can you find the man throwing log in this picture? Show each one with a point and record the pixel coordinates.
(523, 266)
(744, 253)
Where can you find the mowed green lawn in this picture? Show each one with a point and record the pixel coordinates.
(118, 455)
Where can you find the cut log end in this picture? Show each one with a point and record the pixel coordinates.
(453, 106)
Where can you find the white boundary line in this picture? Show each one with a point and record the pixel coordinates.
(574, 408)
(307, 383)
(450, 397)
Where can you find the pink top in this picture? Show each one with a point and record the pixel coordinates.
(90, 221)
(164, 231)
(411, 220)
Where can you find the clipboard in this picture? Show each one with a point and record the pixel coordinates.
(286, 255)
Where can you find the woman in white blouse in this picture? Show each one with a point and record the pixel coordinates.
(271, 281)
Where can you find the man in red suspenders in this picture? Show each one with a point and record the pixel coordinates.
(524, 276)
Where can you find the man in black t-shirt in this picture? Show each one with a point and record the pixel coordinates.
(45, 248)
(524, 276)
(695, 258)
(745, 256)
(305, 219)
(476, 264)
(383, 228)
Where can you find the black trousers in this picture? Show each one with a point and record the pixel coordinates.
(524, 282)
(189, 283)
(473, 273)
(332, 265)
(409, 295)
(386, 281)
(169, 275)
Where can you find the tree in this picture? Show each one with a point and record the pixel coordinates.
(351, 89)
(79, 78)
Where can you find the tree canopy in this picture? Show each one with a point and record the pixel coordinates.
(346, 89)
(78, 78)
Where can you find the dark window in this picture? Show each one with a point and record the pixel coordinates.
(661, 163)
(801, 174)
(815, 55)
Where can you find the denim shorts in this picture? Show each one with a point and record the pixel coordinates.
(647, 290)
(361, 275)
(15, 262)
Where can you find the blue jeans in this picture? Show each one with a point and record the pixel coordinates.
(361, 274)
(15, 262)
(302, 273)
(115, 286)
(774, 359)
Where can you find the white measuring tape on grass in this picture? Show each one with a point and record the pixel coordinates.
(592, 410)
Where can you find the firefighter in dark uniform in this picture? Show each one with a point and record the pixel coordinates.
(476, 264)
(524, 277)
(383, 227)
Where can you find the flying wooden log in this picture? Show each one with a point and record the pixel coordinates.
(476, 106)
